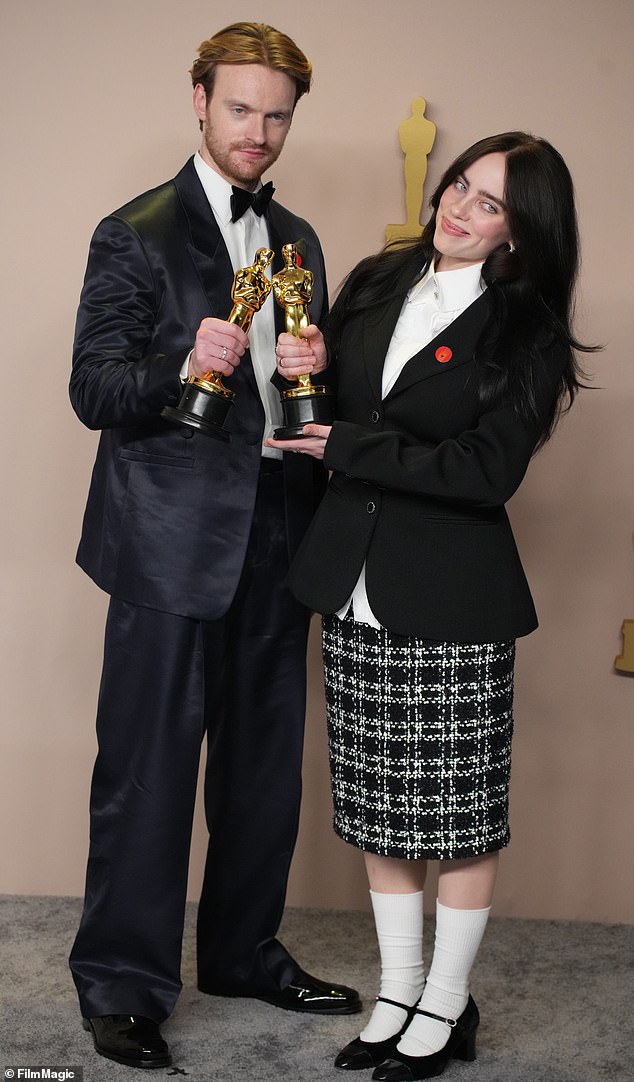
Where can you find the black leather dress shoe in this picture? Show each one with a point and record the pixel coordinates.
(129, 1039)
(308, 994)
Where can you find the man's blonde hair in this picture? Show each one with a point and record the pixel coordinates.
(252, 43)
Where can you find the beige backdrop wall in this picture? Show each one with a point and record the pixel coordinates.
(96, 106)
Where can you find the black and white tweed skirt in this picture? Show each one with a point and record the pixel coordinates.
(419, 741)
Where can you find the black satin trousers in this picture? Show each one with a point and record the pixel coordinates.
(167, 682)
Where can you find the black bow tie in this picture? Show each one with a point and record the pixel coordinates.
(241, 200)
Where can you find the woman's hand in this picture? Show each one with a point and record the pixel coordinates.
(297, 356)
(314, 443)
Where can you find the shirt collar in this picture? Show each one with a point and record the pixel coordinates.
(452, 290)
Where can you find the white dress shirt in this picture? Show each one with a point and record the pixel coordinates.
(430, 306)
(243, 238)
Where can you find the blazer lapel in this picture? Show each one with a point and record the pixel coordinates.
(451, 348)
(379, 325)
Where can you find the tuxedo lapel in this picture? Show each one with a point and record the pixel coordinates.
(209, 254)
(275, 243)
(206, 247)
(285, 228)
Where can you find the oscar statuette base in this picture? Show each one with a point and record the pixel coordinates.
(304, 406)
(203, 406)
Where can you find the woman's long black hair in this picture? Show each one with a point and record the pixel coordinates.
(531, 289)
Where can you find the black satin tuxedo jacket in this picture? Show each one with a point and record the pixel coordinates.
(418, 488)
(169, 509)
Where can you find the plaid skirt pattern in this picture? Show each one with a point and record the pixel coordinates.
(419, 741)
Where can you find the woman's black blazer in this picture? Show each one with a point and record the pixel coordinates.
(418, 487)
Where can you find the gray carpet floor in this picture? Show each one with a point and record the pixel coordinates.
(555, 1000)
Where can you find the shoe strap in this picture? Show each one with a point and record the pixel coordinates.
(402, 1006)
(448, 1021)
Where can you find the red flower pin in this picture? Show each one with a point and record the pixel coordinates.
(443, 354)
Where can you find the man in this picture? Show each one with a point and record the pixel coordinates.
(191, 537)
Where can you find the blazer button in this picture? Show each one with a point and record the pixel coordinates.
(371, 507)
(375, 417)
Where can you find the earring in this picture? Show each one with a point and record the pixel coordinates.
(511, 246)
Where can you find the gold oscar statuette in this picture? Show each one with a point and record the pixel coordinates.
(305, 403)
(205, 401)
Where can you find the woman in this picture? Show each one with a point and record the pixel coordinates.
(453, 359)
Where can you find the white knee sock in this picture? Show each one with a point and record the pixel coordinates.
(458, 936)
(399, 929)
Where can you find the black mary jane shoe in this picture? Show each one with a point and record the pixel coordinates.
(461, 1044)
(359, 1055)
(130, 1039)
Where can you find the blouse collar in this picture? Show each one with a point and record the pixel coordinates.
(453, 290)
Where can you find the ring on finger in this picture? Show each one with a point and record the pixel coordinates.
(223, 355)
(281, 360)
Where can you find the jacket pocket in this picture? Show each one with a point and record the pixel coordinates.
(462, 520)
(130, 455)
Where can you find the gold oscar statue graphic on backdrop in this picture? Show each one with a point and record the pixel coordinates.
(417, 135)
(205, 401)
(625, 661)
(305, 403)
